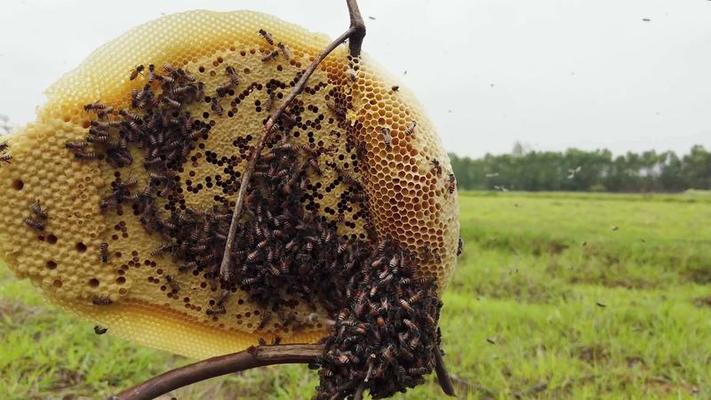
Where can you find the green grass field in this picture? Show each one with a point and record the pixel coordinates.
(557, 296)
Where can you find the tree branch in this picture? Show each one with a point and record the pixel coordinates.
(442, 375)
(217, 366)
(354, 34)
(355, 42)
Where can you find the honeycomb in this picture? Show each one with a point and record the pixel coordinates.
(376, 135)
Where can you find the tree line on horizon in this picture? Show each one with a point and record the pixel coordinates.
(585, 171)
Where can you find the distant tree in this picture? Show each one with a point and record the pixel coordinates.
(579, 170)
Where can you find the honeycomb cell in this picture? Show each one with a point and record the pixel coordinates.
(367, 182)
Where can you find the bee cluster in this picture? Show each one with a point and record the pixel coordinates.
(385, 338)
(384, 317)
(281, 248)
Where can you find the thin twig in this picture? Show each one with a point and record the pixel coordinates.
(222, 365)
(354, 34)
(442, 375)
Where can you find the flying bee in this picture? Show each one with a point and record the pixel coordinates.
(216, 106)
(270, 56)
(267, 36)
(104, 252)
(284, 50)
(100, 330)
(411, 129)
(387, 138)
(452, 184)
(138, 70)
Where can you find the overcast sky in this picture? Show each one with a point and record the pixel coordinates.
(549, 73)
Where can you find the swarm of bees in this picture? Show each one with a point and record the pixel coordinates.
(383, 340)
(385, 330)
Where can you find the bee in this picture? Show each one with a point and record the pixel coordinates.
(232, 74)
(352, 74)
(34, 224)
(3, 146)
(217, 310)
(393, 263)
(460, 247)
(270, 101)
(170, 102)
(174, 286)
(284, 50)
(170, 69)
(104, 252)
(387, 138)
(395, 88)
(234, 81)
(452, 184)
(216, 106)
(100, 330)
(151, 73)
(436, 166)
(252, 257)
(6, 158)
(338, 109)
(404, 304)
(138, 70)
(266, 317)
(418, 371)
(38, 211)
(163, 248)
(411, 129)
(101, 301)
(267, 36)
(416, 297)
(410, 325)
(96, 106)
(270, 56)
(79, 144)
